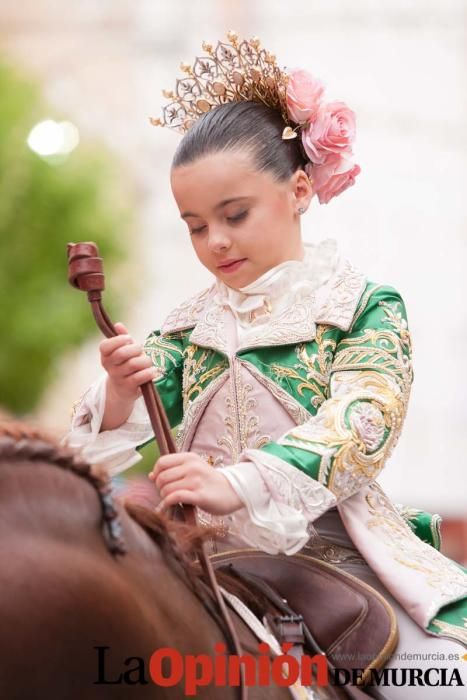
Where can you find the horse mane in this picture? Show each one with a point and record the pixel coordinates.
(24, 442)
(179, 542)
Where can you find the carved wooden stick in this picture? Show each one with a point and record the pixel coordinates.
(85, 272)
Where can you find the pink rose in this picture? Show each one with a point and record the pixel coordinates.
(303, 96)
(333, 131)
(333, 177)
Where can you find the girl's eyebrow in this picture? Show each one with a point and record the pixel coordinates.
(218, 206)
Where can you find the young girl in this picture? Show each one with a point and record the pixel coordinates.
(289, 377)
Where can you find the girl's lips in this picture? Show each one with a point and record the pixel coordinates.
(232, 267)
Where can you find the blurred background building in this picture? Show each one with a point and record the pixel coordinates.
(100, 65)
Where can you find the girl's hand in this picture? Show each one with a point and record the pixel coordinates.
(126, 364)
(184, 477)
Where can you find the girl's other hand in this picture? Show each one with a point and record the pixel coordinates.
(184, 477)
(126, 364)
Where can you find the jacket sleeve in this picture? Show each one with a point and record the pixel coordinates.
(117, 448)
(317, 464)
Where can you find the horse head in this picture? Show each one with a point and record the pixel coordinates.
(91, 587)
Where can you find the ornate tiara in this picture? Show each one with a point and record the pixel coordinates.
(232, 72)
(242, 71)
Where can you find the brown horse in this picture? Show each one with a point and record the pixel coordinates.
(81, 613)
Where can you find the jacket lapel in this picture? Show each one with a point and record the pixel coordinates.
(333, 303)
(337, 299)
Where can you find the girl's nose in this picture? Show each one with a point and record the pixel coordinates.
(218, 241)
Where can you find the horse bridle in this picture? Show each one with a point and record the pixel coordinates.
(85, 272)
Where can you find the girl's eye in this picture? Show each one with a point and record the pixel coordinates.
(239, 217)
(197, 230)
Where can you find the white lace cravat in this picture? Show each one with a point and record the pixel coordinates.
(266, 298)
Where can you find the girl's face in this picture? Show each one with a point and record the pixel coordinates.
(242, 222)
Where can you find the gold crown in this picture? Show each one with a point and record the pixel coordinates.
(233, 72)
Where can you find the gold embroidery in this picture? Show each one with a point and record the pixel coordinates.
(265, 310)
(195, 373)
(408, 550)
(292, 486)
(356, 429)
(185, 315)
(241, 423)
(294, 408)
(206, 519)
(209, 332)
(316, 379)
(195, 410)
(368, 423)
(388, 358)
(410, 515)
(332, 303)
(213, 461)
(451, 630)
(396, 320)
(326, 348)
(333, 553)
(162, 352)
(435, 529)
(364, 303)
(293, 325)
(339, 305)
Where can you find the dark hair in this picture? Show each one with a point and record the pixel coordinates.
(249, 126)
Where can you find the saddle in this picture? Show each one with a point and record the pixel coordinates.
(344, 618)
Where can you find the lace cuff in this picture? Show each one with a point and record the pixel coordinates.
(280, 502)
(116, 449)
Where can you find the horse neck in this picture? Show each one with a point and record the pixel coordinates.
(71, 595)
(51, 532)
(42, 497)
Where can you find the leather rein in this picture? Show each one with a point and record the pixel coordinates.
(85, 272)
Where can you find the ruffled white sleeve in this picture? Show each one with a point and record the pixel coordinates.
(280, 503)
(115, 449)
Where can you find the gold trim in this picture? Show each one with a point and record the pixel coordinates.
(230, 72)
(435, 529)
(364, 299)
(294, 408)
(451, 631)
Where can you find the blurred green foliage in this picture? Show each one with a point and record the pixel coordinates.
(43, 206)
(150, 454)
